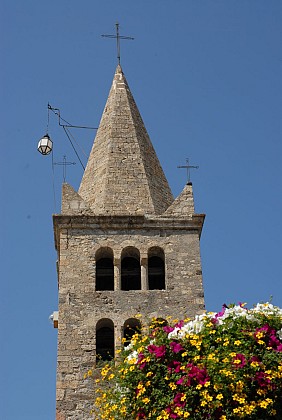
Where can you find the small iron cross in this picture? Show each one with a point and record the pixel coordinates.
(118, 37)
(188, 167)
(64, 164)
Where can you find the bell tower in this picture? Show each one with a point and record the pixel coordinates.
(125, 246)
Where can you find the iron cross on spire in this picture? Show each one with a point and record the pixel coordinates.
(118, 37)
(188, 167)
(64, 164)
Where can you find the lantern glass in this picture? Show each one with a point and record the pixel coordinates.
(45, 145)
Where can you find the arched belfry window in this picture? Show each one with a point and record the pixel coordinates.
(105, 340)
(130, 327)
(104, 269)
(130, 269)
(156, 269)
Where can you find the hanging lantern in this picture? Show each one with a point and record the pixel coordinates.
(45, 145)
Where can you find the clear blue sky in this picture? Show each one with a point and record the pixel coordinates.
(206, 76)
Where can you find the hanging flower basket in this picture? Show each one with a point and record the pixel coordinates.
(218, 366)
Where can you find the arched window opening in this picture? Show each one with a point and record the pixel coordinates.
(105, 342)
(104, 269)
(130, 327)
(156, 269)
(130, 269)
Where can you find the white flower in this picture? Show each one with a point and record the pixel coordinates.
(191, 327)
(279, 333)
(132, 357)
(173, 333)
(129, 347)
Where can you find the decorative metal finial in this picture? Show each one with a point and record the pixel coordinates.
(64, 164)
(188, 167)
(118, 37)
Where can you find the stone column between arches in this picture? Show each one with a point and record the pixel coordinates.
(144, 272)
(117, 274)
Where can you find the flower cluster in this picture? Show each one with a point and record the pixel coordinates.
(225, 365)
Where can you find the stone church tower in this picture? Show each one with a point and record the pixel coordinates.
(125, 246)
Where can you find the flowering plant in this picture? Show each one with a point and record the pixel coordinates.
(225, 365)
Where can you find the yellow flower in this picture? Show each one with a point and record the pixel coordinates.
(219, 397)
(249, 408)
(123, 410)
(254, 364)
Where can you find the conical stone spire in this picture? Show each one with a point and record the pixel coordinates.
(123, 174)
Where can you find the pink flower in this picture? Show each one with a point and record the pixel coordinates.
(179, 324)
(262, 379)
(197, 374)
(254, 359)
(172, 415)
(168, 329)
(275, 343)
(239, 361)
(218, 315)
(141, 361)
(178, 400)
(158, 351)
(174, 365)
(175, 347)
(180, 381)
(269, 333)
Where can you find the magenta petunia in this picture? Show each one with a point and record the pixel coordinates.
(178, 400)
(262, 379)
(158, 351)
(239, 360)
(197, 374)
(179, 324)
(174, 365)
(141, 361)
(171, 413)
(175, 347)
(168, 329)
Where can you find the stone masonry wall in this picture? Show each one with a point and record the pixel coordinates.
(81, 307)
